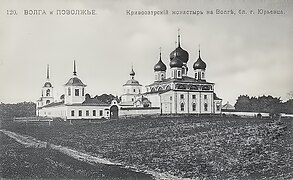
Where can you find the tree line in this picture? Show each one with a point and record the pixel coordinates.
(23, 109)
(268, 104)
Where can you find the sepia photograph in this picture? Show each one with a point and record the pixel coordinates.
(146, 89)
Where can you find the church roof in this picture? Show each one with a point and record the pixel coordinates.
(185, 79)
(94, 101)
(53, 104)
(132, 82)
(216, 97)
(228, 106)
(74, 81)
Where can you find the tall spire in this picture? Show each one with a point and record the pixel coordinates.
(199, 50)
(48, 72)
(160, 53)
(74, 68)
(178, 37)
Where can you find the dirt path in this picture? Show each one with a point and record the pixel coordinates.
(27, 158)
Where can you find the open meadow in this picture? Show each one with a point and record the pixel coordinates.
(193, 147)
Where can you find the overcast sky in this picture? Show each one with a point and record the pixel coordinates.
(245, 54)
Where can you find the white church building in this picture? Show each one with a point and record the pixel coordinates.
(74, 105)
(176, 94)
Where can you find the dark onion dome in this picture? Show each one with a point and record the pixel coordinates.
(160, 66)
(48, 84)
(132, 82)
(199, 64)
(74, 81)
(181, 53)
(176, 62)
(132, 73)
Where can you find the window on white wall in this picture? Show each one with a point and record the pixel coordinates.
(218, 107)
(69, 91)
(182, 106)
(101, 112)
(87, 112)
(76, 92)
(94, 112)
(80, 113)
(205, 96)
(72, 113)
(181, 96)
(48, 92)
(193, 96)
(205, 106)
(193, 107)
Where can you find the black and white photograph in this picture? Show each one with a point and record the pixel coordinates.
(146, 89)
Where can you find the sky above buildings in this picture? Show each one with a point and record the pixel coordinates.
(245, 54)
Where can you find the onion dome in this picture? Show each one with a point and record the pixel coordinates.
(160, 66)
(176, 62)
(199, 64)
(181, 53)
(132, 73)
(75, 81)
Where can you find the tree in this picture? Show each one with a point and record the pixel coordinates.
(243, 103)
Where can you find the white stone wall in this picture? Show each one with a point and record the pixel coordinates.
(72, 98)
(172, 100)
(54, 111)
(105, 110)
(130, 112)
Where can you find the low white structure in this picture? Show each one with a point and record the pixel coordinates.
(74, 106)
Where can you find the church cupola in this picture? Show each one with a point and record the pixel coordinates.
(74, 89)
(160, 69)
(199, 67)
(130, 89)
(181, 54)
(176, 67)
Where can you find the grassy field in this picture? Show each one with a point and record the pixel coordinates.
(19, 162)
(189, 147)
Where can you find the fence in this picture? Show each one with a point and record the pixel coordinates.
(36, 119)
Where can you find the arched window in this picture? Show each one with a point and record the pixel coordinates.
(202, 75)
(69, 91)
(193, 107)
(48, 102)
(160, 88)
(162, 76)
(168, 87)
(153, 89)
(182, 106)
(195, 75)
(48, 92)
(205, 106)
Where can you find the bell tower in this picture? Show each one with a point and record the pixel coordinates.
(47, 91)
